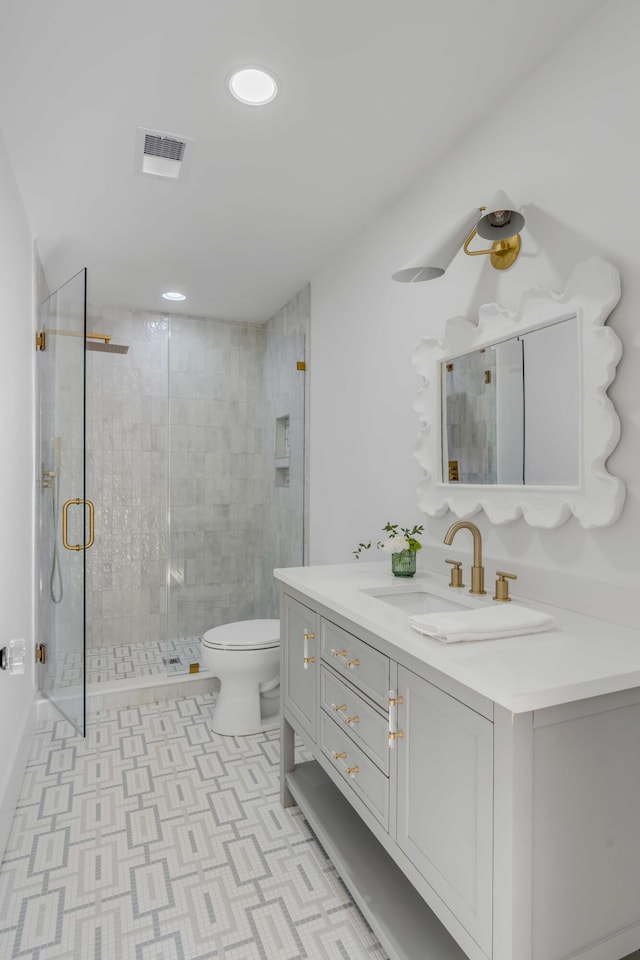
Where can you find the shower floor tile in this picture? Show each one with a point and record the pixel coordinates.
(134, 661)
(156, 839)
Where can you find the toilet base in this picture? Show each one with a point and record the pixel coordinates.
(269, 723)
(237, 712)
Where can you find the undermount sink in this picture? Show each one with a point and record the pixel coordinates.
(415, 601)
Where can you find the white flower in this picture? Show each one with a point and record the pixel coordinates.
(395, 545)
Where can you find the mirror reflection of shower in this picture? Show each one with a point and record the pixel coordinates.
(51, 481)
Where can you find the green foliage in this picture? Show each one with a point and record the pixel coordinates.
(395, 530)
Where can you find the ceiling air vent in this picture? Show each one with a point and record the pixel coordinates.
(162, 154)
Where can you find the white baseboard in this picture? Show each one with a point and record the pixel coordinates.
(11, 781)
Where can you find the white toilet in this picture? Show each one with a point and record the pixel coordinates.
(245, 656)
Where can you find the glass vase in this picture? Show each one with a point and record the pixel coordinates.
(403, 564)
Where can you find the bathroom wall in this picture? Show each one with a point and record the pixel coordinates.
(126, 429)
(565, 146)
(16, 483)
(284, 396)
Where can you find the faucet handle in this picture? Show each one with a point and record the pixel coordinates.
(502, 586)
(456, 573)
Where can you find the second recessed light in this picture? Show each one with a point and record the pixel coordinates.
(173, 295)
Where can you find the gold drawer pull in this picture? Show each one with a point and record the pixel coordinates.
(352, 770)
(353, 663)
(338, 653)
(339, 756)
(399, 735)
(335, 709)
(351, 720)
(309, 659)
(308, 636)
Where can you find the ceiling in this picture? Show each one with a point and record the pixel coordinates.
(372, 93)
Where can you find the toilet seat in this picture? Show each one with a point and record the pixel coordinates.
(244, 635)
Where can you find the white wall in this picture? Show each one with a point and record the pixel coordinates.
(565, 146)
(16, 479)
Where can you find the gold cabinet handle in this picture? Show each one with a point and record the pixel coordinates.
(353, 663)
(341, 707)
(339, 756)
(338, 653)
(394, 702)
(352, 770)
(351, 720)
(65, 511)
(306, 659)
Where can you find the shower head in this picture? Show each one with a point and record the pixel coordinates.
(107, 347)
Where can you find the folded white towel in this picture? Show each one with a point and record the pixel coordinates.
(488, 623)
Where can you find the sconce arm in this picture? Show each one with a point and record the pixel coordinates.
(474, 253)
(503, 253)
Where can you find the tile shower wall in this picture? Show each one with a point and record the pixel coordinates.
(284, 396)
(180, 465)
(127, 413)
(216, 469)
(471, 416)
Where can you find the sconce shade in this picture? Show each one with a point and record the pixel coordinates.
(434, 263)
(501, 220)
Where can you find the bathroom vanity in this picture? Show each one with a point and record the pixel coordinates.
(479, 799)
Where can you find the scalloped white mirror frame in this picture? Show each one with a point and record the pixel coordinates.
(592, 291)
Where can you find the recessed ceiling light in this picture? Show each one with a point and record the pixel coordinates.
(173, 295)
(253, 85)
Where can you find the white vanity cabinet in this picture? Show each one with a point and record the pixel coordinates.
(463, 826)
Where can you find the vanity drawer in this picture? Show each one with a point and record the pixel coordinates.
(365, 779)
(361, 664)
(366, 727)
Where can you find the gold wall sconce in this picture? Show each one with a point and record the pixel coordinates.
(498, 222)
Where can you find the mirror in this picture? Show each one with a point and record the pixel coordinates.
(515, 417)
(510, 412)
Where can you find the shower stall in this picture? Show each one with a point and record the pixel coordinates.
(193, 462)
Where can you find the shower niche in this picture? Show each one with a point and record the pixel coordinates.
(282, 450)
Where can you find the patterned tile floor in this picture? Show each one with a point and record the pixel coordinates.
(131, 662)
(156, 839)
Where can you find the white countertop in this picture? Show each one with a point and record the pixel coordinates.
(584, 658)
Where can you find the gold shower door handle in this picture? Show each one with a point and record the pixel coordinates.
(65, 511)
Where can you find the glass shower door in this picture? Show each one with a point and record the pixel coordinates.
(65, 521)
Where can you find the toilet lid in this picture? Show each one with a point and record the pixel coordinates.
(244, 635)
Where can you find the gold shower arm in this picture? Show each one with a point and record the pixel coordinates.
(41, 338)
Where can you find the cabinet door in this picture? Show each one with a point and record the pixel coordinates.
(445, 800)
(301, 662)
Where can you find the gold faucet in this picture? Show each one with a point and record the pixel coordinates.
(477, 570)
